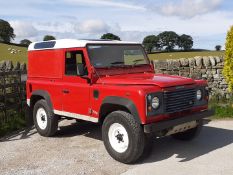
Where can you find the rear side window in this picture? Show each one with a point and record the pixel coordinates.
(75, 63)
(45, 45)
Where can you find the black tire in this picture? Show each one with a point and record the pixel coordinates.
(136, 139)
(52, 119)
(189, 134)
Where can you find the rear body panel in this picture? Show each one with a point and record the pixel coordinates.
(45, 64)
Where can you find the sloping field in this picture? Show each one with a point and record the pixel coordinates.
(14, 53)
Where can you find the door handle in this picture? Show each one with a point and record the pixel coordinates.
(65, 91)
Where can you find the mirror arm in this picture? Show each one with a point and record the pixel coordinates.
(86, 78)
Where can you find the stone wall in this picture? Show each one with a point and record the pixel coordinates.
(208, 67)
(9, 66)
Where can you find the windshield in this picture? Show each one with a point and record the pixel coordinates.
(102, 56)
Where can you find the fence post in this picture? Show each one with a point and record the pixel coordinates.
(4, 96)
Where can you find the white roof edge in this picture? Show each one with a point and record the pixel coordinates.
(72, 43)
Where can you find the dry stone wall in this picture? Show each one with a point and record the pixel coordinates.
(208, 67)
(8, 66)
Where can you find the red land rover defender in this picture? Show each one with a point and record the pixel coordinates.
(114, 84)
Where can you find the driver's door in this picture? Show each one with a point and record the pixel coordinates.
(76, 90)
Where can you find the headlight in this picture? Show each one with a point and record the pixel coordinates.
(155, 103)
(199, 95)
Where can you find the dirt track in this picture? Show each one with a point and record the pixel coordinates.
(78, 149)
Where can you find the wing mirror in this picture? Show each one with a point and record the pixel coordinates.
(82, 71)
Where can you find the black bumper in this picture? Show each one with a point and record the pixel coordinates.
(159, 126)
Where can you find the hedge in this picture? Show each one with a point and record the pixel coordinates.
(228, 65)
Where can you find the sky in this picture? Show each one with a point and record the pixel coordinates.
(207, 21)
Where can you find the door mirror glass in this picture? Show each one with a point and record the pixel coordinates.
(80, 69)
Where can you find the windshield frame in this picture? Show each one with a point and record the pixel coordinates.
(117, 44)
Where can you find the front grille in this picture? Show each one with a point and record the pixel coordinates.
(175, 101)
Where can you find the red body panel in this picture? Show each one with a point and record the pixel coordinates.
(78, 99)
(45, 63)
(46, 72)
(52, 86)
(147, 79)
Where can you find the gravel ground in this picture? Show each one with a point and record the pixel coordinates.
(78, 149)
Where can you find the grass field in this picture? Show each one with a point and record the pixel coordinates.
(223, 108)
(177, 55)
(19, 55)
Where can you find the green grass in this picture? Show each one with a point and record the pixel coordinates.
(177, 55)
(19, 56)
(14, 124)
(223, 112)
(223, 108)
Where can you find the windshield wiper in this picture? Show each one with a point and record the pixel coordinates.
(117, 62)
(136, 61)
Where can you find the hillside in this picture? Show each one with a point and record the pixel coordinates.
(14, 53)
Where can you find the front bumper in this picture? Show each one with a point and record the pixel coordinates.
(159, 126)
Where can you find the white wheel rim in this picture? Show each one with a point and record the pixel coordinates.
(41, 118)
(118, 137)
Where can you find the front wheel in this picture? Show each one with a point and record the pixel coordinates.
(123, 137)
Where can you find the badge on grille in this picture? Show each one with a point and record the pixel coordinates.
(179, 87)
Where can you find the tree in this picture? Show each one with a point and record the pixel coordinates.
(168, 40)
(185, 42)
(228, 65)
(110, 36)
(25, 42)
(6, 32)
(150, 42)
(49, 37)
(218, 47)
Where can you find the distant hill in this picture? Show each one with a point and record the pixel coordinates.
(14, 52)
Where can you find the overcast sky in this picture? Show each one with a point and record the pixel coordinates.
(207, 21)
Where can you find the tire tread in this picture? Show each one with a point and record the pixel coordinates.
(52, 119)
(136, 131)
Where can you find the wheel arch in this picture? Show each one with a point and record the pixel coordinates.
(36, 96)
(113, 103)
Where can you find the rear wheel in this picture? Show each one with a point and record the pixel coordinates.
(46, 122)
(189, 134)
(123, 137)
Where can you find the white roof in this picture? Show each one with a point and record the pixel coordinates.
(72, 43)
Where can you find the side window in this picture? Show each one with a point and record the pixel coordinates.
(75, 64)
